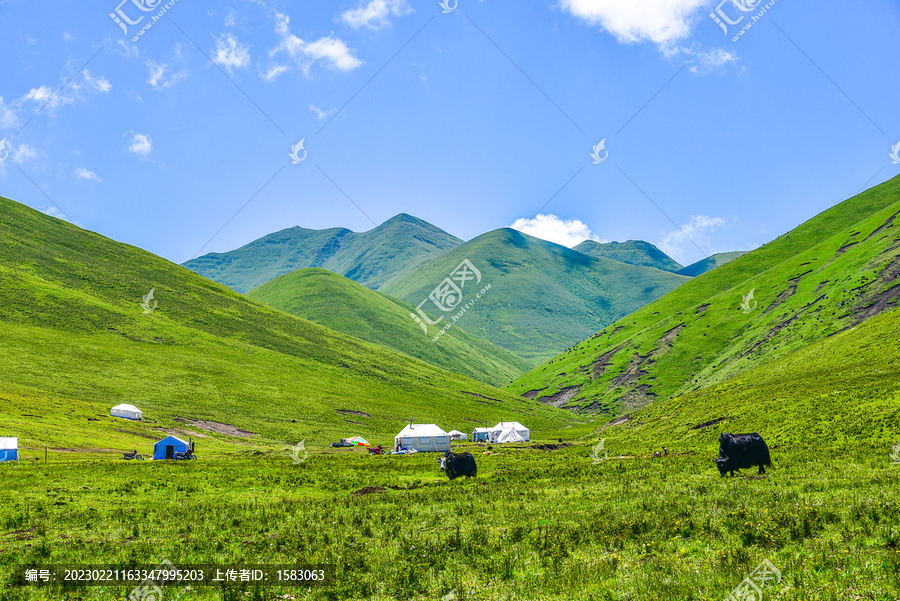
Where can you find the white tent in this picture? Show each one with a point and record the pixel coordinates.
(9, 449)
(506, 435)
(481, 434)
(126, 411)
(457, 435)
(524, 432)
(422, 438)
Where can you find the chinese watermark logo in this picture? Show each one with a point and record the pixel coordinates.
(447, 6)
(724, 18)
(895, 154)
(5, 146)
(122, 18)
(751, 588)
(149, 589)
(895, 455)
(748, 299)
(295, 451)
(600, 147)
(295, 152)
(448, 296)
(595, 453)
(149, 303)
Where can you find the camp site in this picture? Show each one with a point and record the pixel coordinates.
(450, 300)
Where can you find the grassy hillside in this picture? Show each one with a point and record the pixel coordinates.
(829, 274)
(371, 258)
(633, 252)
(76, 341)
(332, 300)
(710, 263)
(543, 296)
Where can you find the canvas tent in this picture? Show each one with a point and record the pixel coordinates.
(422, 438)
(524, 432)
(126, 411)
(9, 449)
(457, 435)
(481, 434)
(168, 446)
(506, 435)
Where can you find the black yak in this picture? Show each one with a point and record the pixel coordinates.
(458, 464)
(738, 451)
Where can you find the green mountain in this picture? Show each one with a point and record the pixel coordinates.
(826, 276)
(710, 263)
(543, 297)
(336, 302)
(77, 340)
(633, 252)
(372, 258)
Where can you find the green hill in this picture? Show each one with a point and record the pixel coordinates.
(710, 263)
(371, 258)
(336, 302)
(76, 341)
(633, 252)
(543, 296)
(825, 276)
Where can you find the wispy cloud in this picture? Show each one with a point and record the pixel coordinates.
(140, 145)
(713, 60)
(332, 52)
(230, 53)
(82, 173)
(162, 75)
(679, 244)
(376, 13)
(567, 232)
(319, 113)
(8, 117)
(24, 153)
(274, 72)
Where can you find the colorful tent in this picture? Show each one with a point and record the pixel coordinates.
(9, 449)
(359, 441)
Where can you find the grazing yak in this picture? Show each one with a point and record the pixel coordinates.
(738, 451)
(458, 464)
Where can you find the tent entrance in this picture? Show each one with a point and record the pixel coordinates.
(170, 451)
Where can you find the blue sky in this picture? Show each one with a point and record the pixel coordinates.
(472, 119)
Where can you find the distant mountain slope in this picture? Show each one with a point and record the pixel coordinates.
(633, 252)
(710, 263)
(334, 301)
(827, 275)
(371, 258)
(543, 296)
(76, 340)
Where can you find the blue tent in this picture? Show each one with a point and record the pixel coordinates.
(9, 449)
(167, 447)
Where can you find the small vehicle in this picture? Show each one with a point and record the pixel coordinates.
(342, 444)
(376, 450)
(188, 455)
(132, 455)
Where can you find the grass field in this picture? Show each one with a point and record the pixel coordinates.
(534, 525)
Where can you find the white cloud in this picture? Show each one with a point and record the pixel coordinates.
(567, 232)
(24, 153)
(376, 14)
(141, 145)
(229, 53)
(98, 83)
(680, 244)
(274, 72)
(710, 60)
(69, 93)
(82, 173)
(319, 113)
(129, 50)
(161, 76)
(230, 20)
(332, 52)
(8, 117)
(662, 22)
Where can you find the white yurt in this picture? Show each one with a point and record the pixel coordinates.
(126, 411)
(481, 434)
(506, 435)
(423, 438)
(524, 432)
(457, 435)
(9, 449)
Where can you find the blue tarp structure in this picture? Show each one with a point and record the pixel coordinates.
(9, 449)
(167, 447)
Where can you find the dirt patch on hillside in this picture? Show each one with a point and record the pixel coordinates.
(481, 396)
(562, 397)
(353, 412)
(599, 365)
(552, 447)
(218, 427)
(533, 393)
(368, 490)
(637, 397)
(771, 333)
(869, 305)
(884, 226)
(711, 422)
(821, 285)
(633, 372)
(640, 396)
(701, 309)
(619, 420)
(785, 294)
